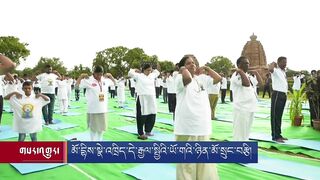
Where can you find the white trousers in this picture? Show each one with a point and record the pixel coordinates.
(242, 122)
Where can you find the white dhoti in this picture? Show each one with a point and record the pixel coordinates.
(242, 122)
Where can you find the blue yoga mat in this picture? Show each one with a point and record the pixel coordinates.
(128, 114)
(159, 136)
(61, 126)
(284, 167)
(260, 115)
(223, 118)
(73, 107)
(6, 132)
(71, 114)
(310, 144)
(164, 112)
(128, 108)
(111, 111)
(81, 136)
(165, 121)
(25, 168)
(159, 172)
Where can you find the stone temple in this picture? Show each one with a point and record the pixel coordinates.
(254, 51)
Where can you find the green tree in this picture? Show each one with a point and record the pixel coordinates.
(12, 48)
(77, 70)
(112, 60)
(221, 64)
(54, 62)
(166, 65)
(134, 57)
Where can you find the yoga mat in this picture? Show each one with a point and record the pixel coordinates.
(25, 168)
(81, 136)
(128, 114)
(73, 107)
(224, 118)
(284, 167)
(71, 114)
(159, 136)
(153, 172)
(61, 126)
(165, 121)
(260, 115)
(6, 132)
(310, 144)
(163, 112)
(111, 111)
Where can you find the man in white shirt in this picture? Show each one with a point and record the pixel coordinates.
(279, 96)
(224, 84)
(244, 101)
(48, 83)
(297, 82)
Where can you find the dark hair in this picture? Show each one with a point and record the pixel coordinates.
(240, 59)
(281, 58)
(27, 83)
(313, 71)
(48, 66)
(145, 66)
(184, 59)
(97, 69)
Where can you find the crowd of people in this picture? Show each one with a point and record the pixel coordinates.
(191, 92)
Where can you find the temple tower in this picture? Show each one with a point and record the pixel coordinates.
(254, 51)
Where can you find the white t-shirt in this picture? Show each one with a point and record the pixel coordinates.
(244, 98)
(47, 82)
(224, 83)
(279, 80)
(96, 94)
(144, 84)
(296, 83)
(62, 89)
(192, 114)
(27, 113)
(214, 88)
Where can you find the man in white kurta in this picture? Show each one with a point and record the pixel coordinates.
(244, 101)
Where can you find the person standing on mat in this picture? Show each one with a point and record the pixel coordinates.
(27, 111)
(97, 101)
(146, 105)
(244, 99)
(193, 115)
(279, 96)
(48, 83)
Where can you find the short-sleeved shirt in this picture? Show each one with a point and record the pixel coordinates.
(279, 80)
(27, 113)
(192, 114)
(96, 94)
(47, 82)
(244, 98)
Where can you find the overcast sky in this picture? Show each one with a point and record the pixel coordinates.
(74, 30)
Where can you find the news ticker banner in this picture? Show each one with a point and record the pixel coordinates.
(129, 152)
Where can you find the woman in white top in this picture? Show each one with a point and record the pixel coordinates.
(97, 100)
(193, 115)
(121, 91)
(146, 106)
(63, 97)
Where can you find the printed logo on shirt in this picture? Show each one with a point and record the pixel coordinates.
(27, 111)
(50, 82)
(101, 97)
